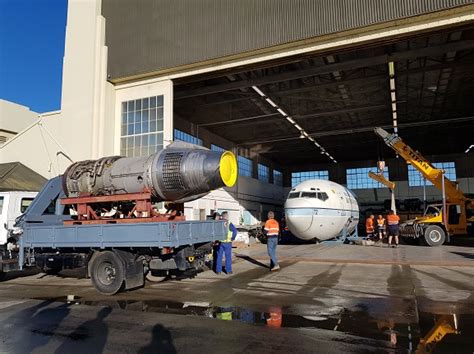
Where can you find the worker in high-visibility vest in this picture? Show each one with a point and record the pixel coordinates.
(272, 230)
(369, 226)
(381, 227)
(225, 246)
(393, 228)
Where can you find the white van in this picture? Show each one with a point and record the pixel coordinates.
(12, 205)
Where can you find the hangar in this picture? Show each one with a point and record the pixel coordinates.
(294, 91)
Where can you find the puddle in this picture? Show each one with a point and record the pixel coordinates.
(395, 331)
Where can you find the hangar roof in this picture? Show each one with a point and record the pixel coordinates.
(14, 176)
(339, 97)
(147, 36)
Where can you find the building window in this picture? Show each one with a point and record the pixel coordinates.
(245, 166)
(298, 177)
(180, 135)
(142, 126)
(277, 178)
(217, 148)
(263, 173)
(358, 178)
(415, 178)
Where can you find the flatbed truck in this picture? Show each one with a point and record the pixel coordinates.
(117, 256)
(100, 215)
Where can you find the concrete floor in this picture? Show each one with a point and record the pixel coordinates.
(326, 298)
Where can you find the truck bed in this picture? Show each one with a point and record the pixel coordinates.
(154, 234)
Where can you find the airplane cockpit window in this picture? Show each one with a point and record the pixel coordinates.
(293, 195)
(323, 196)
(308, 194)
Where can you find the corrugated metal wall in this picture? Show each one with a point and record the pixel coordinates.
(148, 35)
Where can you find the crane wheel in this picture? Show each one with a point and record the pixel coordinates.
(434, 235)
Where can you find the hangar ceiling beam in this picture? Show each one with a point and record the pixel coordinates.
(239, 120)
(361, 130)
(342, 111)
(258, 119)
(372, 78)
(363, 80)
(320, 70)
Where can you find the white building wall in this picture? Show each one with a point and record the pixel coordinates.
(84, 94)
(14, 117)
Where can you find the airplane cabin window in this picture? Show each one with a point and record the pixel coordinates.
(308, 195)
(293, 195)
(323, 196)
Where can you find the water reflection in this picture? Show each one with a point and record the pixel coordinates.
(393, 326)
(444, 325)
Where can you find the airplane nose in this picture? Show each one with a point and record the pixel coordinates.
(299, 220)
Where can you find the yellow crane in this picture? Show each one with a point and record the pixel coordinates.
(379, 177)
(446, 324)
(440, 221)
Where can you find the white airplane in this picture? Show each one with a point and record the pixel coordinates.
(320, 209)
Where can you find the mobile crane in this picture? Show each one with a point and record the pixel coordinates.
(440, 221)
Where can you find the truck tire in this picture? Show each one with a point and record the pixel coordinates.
(107, 273)
(434, 235)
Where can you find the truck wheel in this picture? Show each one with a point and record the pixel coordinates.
(107, 273)
(434, 236)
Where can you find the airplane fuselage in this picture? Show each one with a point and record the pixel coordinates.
(320, 209)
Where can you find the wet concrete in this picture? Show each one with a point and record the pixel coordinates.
(308, 306)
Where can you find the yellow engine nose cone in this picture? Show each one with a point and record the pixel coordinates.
(228, 168)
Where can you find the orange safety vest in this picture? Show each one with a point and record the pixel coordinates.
(393, 219)
(381, 222)
(271, 227)
(369, 225)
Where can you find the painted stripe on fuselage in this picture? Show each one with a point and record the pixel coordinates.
(320, 212)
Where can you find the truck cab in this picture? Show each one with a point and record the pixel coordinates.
(12, 205)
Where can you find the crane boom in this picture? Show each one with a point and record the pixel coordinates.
(418, 161)
(381, 179)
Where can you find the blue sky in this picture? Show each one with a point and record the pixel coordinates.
(31, 52)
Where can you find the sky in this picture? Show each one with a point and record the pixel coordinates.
(31, 52)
